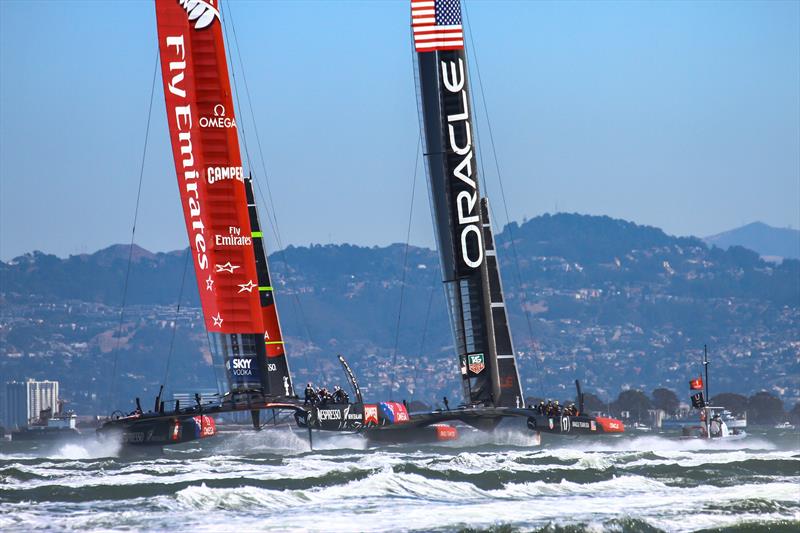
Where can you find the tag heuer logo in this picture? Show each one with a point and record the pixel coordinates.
(476, 363)
(202, 12)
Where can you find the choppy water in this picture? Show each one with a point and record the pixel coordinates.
(272, 481)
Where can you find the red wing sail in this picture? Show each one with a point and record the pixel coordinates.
(225, 240)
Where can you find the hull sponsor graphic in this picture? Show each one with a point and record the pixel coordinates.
(445, 432)
(394, 412)
(477, 363)
(370, 414)
(592, 425)
(349, 417)
(205, 148)
(206, 426)
(329, 414)
(610, 425)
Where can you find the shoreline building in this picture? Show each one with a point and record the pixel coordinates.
(24, 401)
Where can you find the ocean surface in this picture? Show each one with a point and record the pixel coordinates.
(504, 482)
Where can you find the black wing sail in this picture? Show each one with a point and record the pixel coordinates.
(275, 375)
(510, 384)
(460, 223)
(469, 263)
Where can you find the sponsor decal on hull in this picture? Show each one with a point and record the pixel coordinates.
(370, 414)
(329, 414)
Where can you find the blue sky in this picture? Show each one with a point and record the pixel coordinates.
(680, 115)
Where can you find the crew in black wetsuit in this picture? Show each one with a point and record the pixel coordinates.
(340, 396)
(310, 395)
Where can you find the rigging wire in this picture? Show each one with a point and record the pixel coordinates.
(405, 263)
(177, 315)
(425, 327)
(133, 233)
(422, 144)
(505, 204)
(272, 215)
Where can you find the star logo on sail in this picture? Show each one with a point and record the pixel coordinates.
(217, 321)
(249, 286)
(209, 283)
(227, 267)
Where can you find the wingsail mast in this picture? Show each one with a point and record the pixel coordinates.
(470, 271)
(225, 236)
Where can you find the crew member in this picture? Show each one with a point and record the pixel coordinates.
(309, 394)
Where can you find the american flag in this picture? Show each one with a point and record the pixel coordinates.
(437, 25)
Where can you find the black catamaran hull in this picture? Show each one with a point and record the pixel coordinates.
(159, 430)
(186, 425)
(487, 418)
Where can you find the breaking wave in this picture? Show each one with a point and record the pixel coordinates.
(274, 480)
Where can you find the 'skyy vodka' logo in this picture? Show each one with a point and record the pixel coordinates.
(240, 366)
(454, 80)
(202, 12)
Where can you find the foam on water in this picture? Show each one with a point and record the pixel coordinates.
(272, 480)
(660, 444)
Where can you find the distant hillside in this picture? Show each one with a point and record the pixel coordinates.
(613, 303)
(767, 241)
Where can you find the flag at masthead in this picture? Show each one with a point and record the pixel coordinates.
(437, 25)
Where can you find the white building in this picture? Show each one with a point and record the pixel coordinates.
(24, 401)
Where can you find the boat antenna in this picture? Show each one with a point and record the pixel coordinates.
(705, 365)
(474, 54)
(113, 380)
